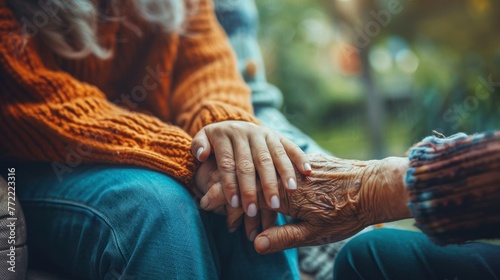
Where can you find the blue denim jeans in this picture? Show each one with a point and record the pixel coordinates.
(126, 222)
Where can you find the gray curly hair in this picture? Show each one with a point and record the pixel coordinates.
(69, 27)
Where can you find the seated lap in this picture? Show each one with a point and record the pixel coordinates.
(100, 219)
(109, 221)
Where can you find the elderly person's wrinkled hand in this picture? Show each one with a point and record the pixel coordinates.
(338, 199)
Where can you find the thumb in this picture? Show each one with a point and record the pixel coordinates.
(281, 237)
(200, 147)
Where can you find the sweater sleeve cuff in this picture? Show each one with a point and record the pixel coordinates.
(217, 112)
(454, 187)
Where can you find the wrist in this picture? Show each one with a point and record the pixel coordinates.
(386, 195)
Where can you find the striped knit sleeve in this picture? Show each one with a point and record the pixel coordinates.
(207, 85)
(454, 187)
(50, 116)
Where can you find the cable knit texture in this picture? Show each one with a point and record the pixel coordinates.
(140, 107)
(454, 187)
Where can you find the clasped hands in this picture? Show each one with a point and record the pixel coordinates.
(248, 173)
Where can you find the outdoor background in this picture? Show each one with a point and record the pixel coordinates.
(367, 79)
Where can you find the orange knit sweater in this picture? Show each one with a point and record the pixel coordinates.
(140, 107)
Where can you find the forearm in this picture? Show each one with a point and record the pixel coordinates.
(454, 187)
(207, 87)
(106, 135)
(387, 194)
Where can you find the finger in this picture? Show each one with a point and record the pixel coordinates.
(284, 205)
(203, 183)
(234, 217)
(200, 147)
(224, 155)
(267, 173)
(214, 198)
(280, 238)
(252, 226)
(268, 218)
(297, 156)
(245, 172)
(282, 162)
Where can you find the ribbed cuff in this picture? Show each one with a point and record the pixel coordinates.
(453, 185)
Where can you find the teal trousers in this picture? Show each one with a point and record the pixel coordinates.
(398, 254)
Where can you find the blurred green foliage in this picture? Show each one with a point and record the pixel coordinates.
(430, 64)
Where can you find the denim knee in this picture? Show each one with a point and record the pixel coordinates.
(150, 205)
(148, 195)
(159, 225)
(119, 220)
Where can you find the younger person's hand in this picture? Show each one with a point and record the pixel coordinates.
(207, 180)
(242, 150)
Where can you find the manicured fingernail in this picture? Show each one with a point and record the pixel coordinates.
(231, 230)
(253, 235)
(291, 184)
(204, 202)
(234, 201)
(275, 202)
(263, 244)
(252, 210)
(307, 167)
(198, 153)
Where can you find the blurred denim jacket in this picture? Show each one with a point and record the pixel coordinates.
(239, 18)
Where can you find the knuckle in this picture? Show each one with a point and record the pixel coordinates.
(264, 159)
(234, 126)
(246, 167)
(215, 130)
(248, 193)
(230, 186)
(288, 237)
(295, 147)
(227, 163)
(265, 130)
(220, 129)
(279, 152)
(270, 185)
